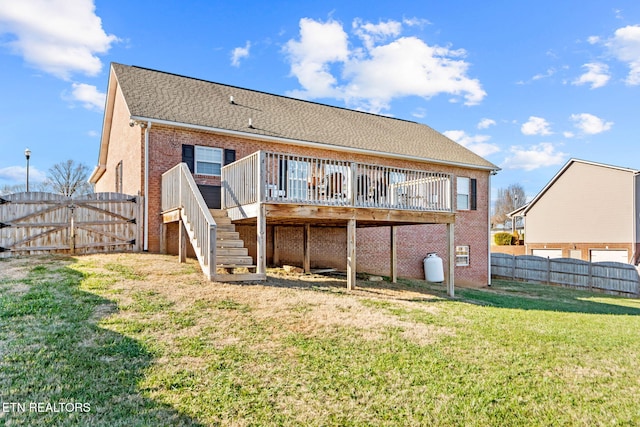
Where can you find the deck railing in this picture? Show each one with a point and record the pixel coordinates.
(179, 191)
(285, 178)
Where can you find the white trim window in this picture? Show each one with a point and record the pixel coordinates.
(463, 186)
(208, 161)
(462, 256)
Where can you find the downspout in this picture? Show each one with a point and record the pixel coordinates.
(634, 257)
(147, 127)
(489, 227)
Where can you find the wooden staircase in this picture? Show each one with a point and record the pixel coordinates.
(233, 263)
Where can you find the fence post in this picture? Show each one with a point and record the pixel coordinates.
(590, 279)
(72, 231)
(513, 267)
(548, 271)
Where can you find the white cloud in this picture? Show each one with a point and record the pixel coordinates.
(550, 72)
(419, 113)
(477, 143)
(18, 174)
(486, 123)
(625, 46)
(239, 53)
(597, 75)
(534, 157)
(385, 67)
(593, 39)
(568, 134)
(590, 124)
(60, 37)
(89, 96)
(536, 126)
(372, 33)
(320, 45)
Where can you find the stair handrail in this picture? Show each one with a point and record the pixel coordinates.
(180, 191)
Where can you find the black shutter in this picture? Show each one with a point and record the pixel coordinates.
(474, 195)
(188, 156)
(229, 156)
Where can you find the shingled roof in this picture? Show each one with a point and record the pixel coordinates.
(156, 95)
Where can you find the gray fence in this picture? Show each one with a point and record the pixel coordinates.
(610, 277)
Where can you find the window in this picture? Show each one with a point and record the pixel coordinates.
(208, 161)
(466, 189)
(462, 188)
(462, 256)
(119, 177)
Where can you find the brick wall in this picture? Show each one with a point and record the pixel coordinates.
(329, 244)
(126, 146)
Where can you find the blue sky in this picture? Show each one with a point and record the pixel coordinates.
(526, 84)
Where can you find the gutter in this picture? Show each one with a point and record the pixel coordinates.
(97, 173)
(309, 143)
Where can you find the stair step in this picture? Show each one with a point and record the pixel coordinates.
(232, 252)
(230, 243)
(218, 213)
(234, 259)
(222, 219)
(249, 266)
(242, 277)
(227, 235)
(225, 227)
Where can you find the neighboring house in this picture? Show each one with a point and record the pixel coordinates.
(588, 211)
(296, 178)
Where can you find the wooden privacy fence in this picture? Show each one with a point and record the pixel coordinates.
(614, 277)
(38, 223)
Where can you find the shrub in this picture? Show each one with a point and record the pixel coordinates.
(503, 239)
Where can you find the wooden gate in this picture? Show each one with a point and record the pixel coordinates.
(38, 223)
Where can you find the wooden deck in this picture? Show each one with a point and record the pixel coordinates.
(280, 189)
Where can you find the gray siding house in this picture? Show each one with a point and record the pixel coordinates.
(588, 211)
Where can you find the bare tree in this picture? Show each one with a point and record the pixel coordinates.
(69, 178)
(509, 199)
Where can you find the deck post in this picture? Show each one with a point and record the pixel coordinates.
(163, 239)
(261, 244)
(307, 248)
(393, 262)
(182, 246)
(351, 254)
(261, 220)
(452, 259)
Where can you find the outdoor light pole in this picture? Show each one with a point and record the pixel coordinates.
(27, 154)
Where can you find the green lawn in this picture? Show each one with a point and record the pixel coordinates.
(138, 339)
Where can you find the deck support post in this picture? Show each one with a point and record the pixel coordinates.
(163, 238)
(452, 259)
(307, 248)
(182, 244)
(393, 262)
(261, 244)
(351, 254)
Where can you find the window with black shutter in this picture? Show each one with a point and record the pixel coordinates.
(474, 194)
(229, 156)
(188, 156)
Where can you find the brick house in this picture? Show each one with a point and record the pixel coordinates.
(299, 182)
(587, 211)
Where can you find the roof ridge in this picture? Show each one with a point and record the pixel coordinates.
(274, 94)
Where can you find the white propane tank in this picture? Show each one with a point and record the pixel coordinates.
(433, 268)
